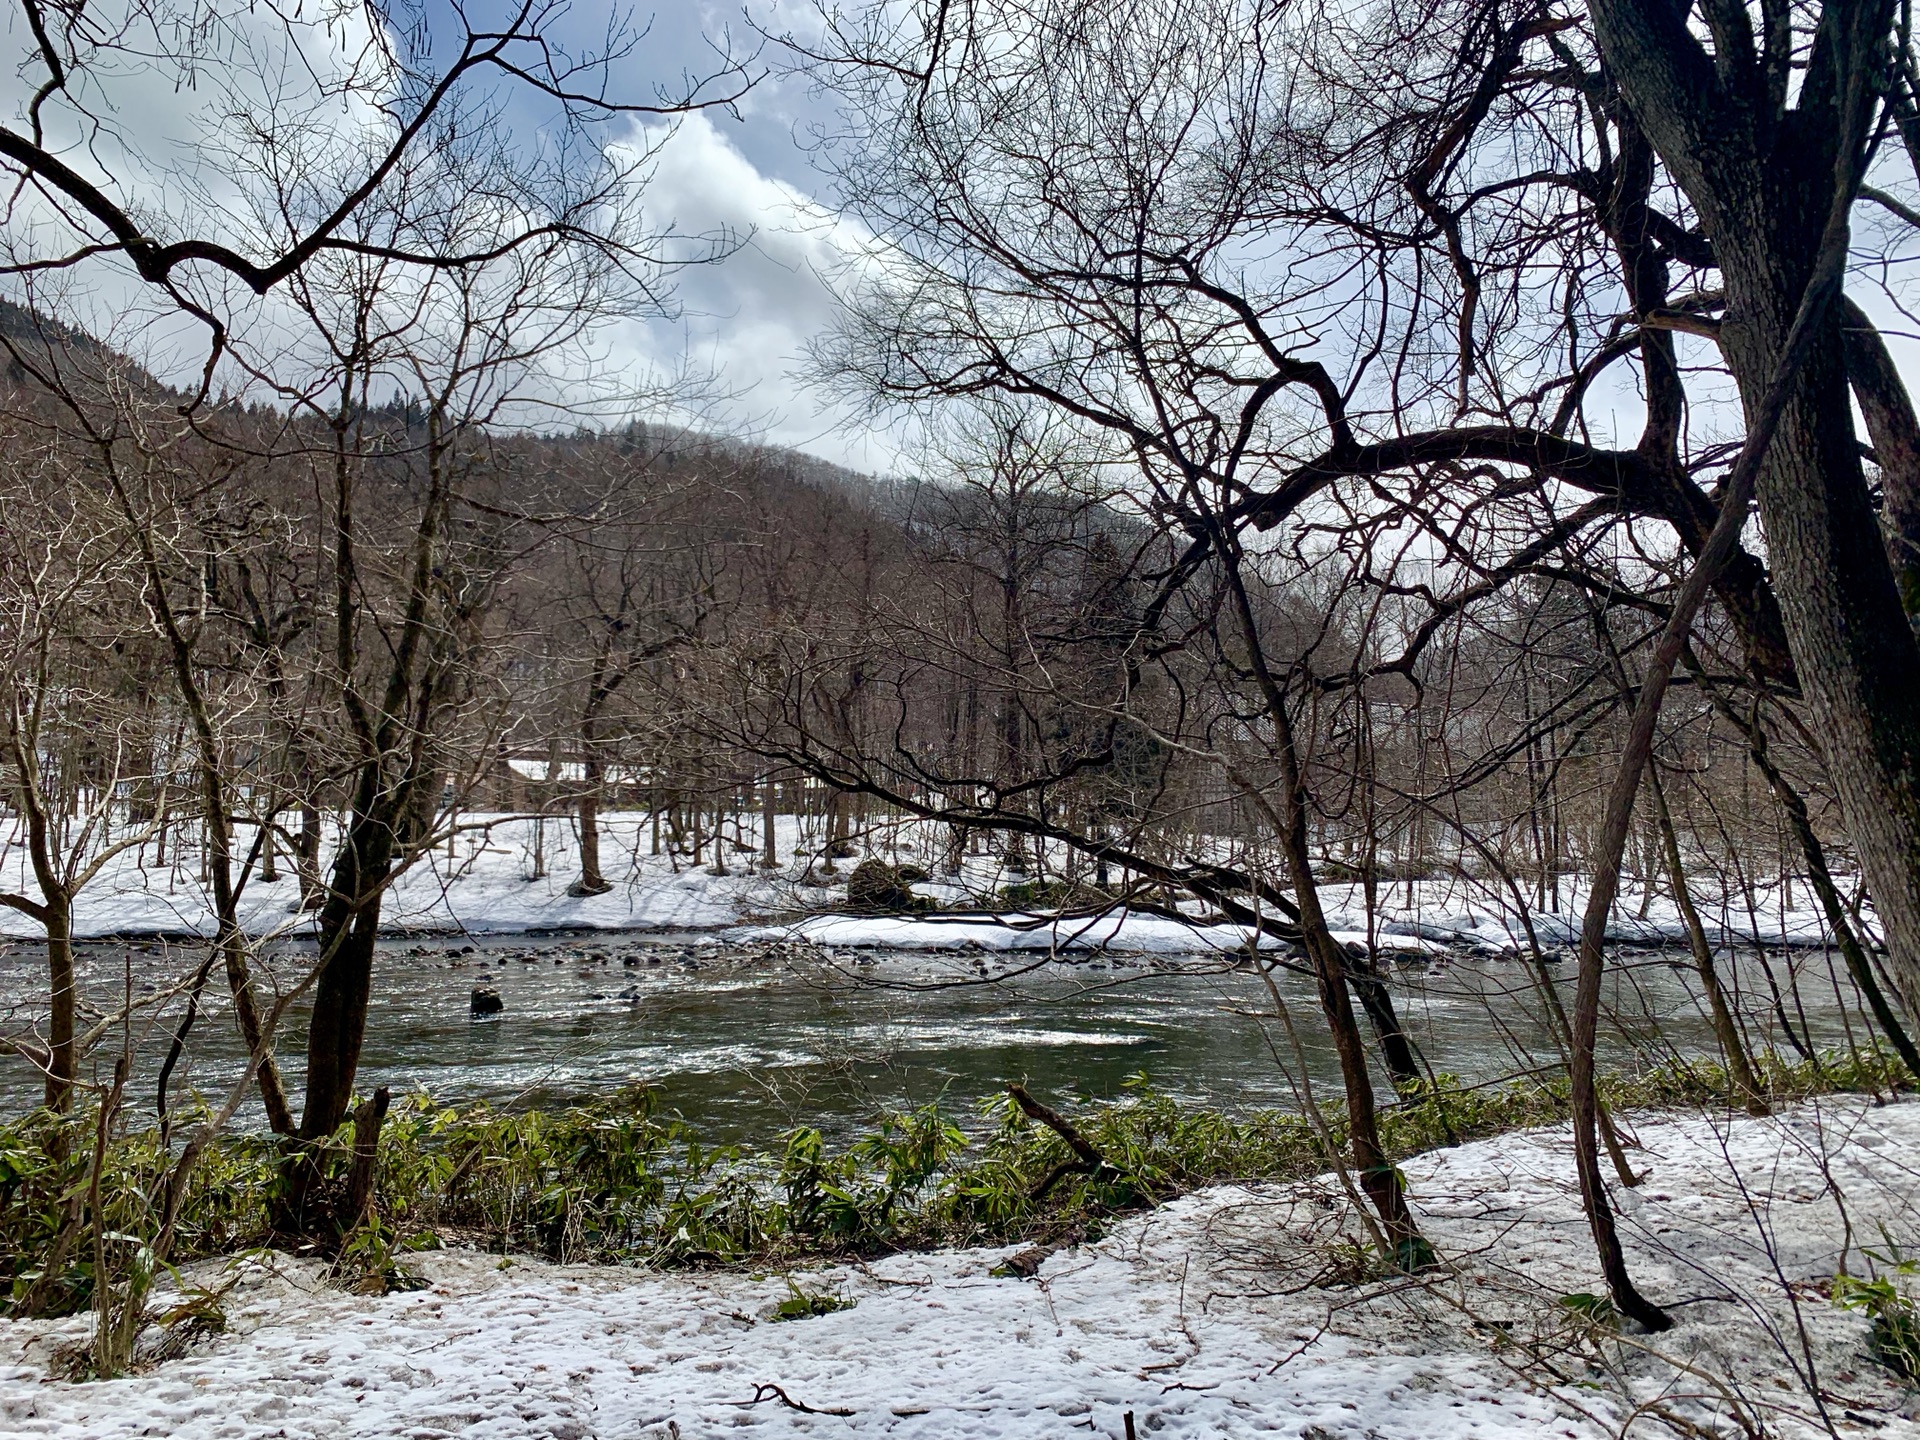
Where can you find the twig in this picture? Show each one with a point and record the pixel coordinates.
(769, 1391)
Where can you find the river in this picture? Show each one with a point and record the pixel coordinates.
(748, 1040)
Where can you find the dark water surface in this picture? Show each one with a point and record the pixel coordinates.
(746, 1040)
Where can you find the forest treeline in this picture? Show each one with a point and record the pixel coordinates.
(1348, 447)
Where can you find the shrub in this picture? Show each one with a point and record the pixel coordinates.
(618, 1180)
(1893, 1331)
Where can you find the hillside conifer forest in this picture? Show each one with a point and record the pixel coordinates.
(960, 718)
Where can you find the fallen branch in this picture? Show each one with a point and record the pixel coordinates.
(1089, 1161)
(769, 1391)
(1057, 1123)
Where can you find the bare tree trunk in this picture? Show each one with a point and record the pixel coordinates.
(1895, 433)
(591, 881)
(1852, 951)
(306, 857)
(1725, 1029)
(769, 820)
(722, 802)
(338, 1028)
(349, 926)
(62, 1063)
(1377, 1175)
(1774, 190)
(836, 828)
(1396, 1046)
(368, 1116)
(273, 1094)
(1855, 651)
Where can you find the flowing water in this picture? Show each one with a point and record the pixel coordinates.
(747, 1040)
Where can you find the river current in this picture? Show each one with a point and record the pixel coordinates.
(747, 1040)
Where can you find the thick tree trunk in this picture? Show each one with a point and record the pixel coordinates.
(349, 925)
(1852, 643)
(1895, 433)
(334, 1038)
(1766, 178)
(591, 881)
(338, 1029)
(62, 1063)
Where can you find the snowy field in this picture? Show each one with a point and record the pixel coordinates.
(484, 882)
(1200, 1319)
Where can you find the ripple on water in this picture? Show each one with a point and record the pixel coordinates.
(751, 1043)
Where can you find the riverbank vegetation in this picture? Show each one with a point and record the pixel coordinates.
(620, 1181)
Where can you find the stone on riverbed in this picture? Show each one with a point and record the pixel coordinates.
(486, 1001)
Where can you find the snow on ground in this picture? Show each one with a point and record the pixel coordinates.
(484, 881)
(1201, 1319)
(1117, 929)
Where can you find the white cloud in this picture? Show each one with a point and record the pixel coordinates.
(747, 318)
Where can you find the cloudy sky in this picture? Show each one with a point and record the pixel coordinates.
(744, 171)
(748, 171)
(751, 172)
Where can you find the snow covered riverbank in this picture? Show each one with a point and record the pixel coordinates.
(487, 881)
(1202, 1318)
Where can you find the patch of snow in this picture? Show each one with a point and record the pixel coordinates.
(1200, 1318)
(1115, 930)
(484, 881)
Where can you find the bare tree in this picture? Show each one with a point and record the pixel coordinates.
(322, 111)
(70, 741)
(1222, 240)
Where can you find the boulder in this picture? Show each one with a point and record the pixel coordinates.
(486, 1001)
(876, 885)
